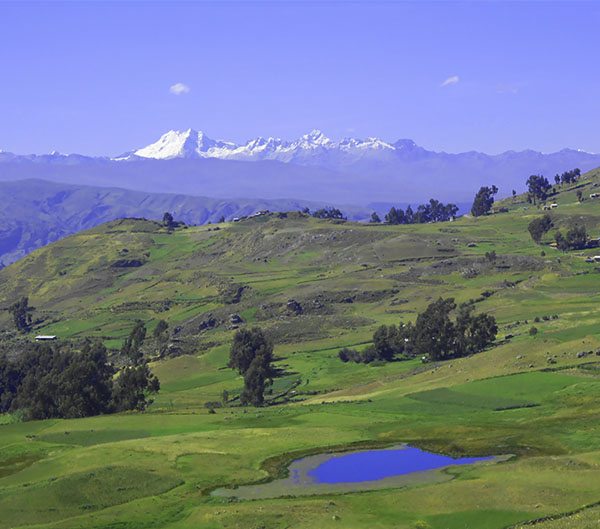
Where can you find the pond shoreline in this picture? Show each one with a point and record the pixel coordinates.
(300, 480)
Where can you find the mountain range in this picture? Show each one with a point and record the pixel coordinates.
(313, 167)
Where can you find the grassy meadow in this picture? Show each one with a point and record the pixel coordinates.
(533, 396)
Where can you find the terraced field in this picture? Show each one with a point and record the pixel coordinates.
(316, 286)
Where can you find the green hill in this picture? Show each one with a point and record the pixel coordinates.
(316, 286)
(38, 212)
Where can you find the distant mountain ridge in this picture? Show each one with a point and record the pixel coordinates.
(313, 148)
(313, 167)
(310, 149)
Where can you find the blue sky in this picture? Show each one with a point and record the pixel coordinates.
(96, 77)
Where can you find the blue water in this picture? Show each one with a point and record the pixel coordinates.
(372, 465)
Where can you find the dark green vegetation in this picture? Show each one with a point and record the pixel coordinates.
(21, 313)
(433, 337)
(251, 355)
(482, 204)
(539, 226)
(576, 239)
(42, 382)
(434, 211)
(328, 213)
(315, 286)
(538, 187)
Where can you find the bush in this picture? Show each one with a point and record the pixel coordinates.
(533, 331)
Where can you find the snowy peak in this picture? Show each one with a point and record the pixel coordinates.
(314, 139)
(187, 144)
(173, 144)
(193, 144)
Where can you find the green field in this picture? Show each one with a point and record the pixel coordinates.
(535, 397)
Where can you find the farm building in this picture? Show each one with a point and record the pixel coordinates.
(45, 338)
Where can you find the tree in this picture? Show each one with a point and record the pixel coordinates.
(389, 342)
(251, 354)
(491, 256)
(21, 313)
(577, 238)
(434, 332)
(483, 201)
(161, 337)
(538, 187)
(396, 216)
(569, 177)
(514, 193)
(374, 218)
(557, 178)
(168, 220)
(385, 342)
(539, 226)
(449, 211)
(473, 333)
(434, 211)
(133, 343)
(159, 331)
(256, 379)
(579, 195)
(63, 383)
(248, 344)
(561, 242)
(132, 388)
(10, 380)
(328, 213)
(221, 219)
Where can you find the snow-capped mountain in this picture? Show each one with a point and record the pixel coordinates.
(312, 167)
(311, 149)
(188, 144)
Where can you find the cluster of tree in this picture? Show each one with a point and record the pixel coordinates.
(433, 336)
(538, 188)
(131, 350)
(21, 312)
(482, 204)
(328, 213)
(59, 381)
(434, 211)
(170, 223)
(576, 239)
(251, 355)
(568, 177)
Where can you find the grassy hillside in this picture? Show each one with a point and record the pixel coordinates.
(38, 212)
(532, 396)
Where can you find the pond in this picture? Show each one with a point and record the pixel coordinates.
(378, 464)
(398, 466)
